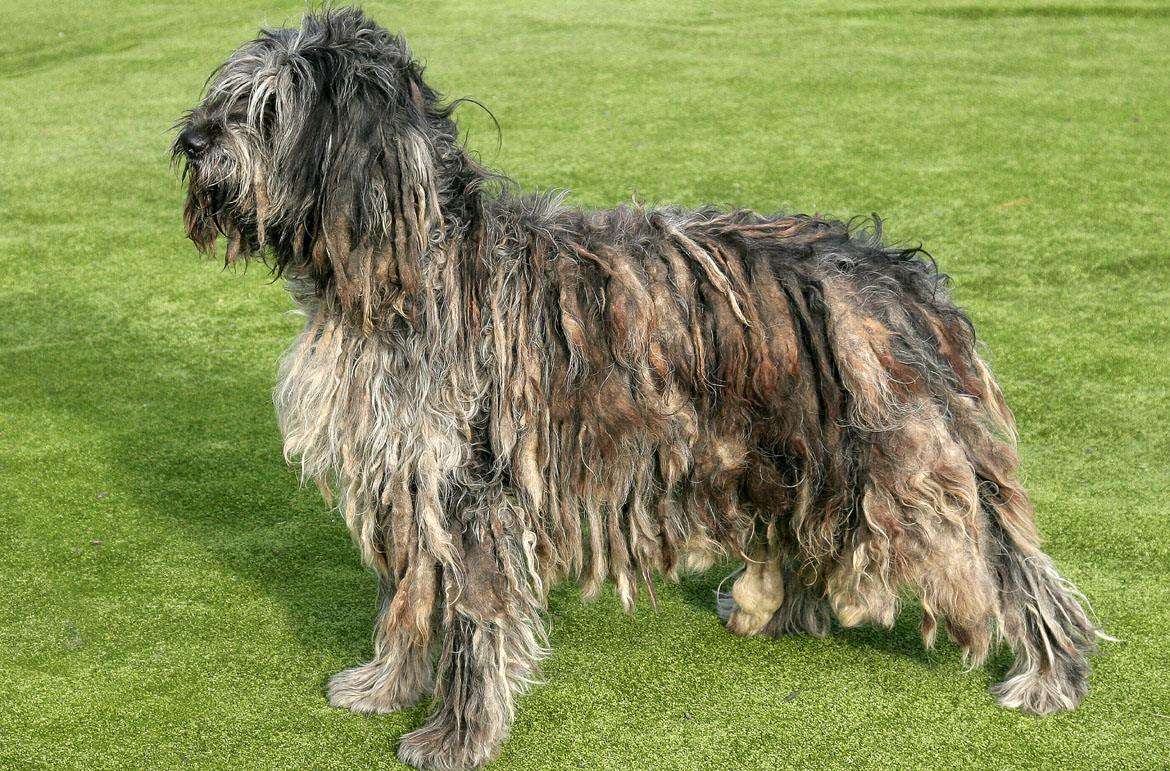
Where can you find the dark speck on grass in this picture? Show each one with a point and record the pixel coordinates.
(72, 637)
(97, 542)
(790, 697)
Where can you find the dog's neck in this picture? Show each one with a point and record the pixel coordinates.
(401, 262)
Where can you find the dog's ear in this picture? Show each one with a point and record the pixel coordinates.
(368, 175)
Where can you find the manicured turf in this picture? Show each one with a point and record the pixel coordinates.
(169, 598)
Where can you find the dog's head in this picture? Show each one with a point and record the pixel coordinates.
(324, 145)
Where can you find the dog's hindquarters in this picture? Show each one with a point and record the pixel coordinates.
(938, 508)
(986, 566)
(976, 470)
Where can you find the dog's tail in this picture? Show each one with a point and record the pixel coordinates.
(1040, 612)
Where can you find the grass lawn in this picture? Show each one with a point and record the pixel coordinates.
(170, 598)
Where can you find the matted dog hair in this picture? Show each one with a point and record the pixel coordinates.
(501, 391)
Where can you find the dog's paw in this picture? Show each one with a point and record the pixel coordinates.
(373, 689)
(746, 623)
(738, 620)
(443, 746)
(1043, 693)
(745, 612)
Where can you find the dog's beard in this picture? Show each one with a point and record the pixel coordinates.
(217, 206)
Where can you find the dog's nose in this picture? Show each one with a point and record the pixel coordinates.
(194, 141)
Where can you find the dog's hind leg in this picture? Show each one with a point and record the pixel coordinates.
(1040, 613)
(398, 676)
(805, 611)
(493, 641)
(755, 596)
(773, 601)
(920, 528)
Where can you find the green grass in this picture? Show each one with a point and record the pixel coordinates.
(169, 598)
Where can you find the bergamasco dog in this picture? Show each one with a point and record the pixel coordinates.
(500, 391)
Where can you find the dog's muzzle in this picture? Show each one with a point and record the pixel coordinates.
(194, 141)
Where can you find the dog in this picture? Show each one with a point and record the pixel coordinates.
(501, 391)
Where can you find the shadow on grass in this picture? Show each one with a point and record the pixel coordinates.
(183, 422)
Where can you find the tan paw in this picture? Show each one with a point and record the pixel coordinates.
(372, 689)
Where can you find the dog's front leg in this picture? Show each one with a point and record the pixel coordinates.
(493, 640)
(398, 676)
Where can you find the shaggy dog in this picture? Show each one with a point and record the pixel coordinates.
(502, 391)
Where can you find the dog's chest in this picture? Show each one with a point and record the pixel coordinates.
(366, 414)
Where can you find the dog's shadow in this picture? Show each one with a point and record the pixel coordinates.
(183, 426)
